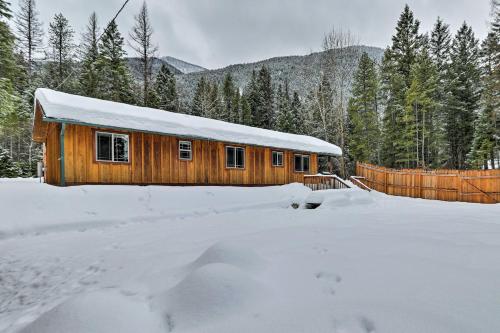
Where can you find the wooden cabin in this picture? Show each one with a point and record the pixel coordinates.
(91, 141)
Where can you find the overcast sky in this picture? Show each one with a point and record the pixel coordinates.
(216, 33)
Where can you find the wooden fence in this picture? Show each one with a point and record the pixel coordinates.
(480, 186)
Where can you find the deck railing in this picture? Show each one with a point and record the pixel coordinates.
(324, 182)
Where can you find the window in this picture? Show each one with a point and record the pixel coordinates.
(235, 157)
(111, 147)
(277, 158)
(301, 163)
(185, 150)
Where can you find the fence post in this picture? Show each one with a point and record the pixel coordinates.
(459, 187)
(386, 177)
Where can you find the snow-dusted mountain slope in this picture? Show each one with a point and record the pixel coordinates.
(155, 259)
(303, 72)
(183, 66)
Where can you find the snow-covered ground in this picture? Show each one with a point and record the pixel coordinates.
(221, 259)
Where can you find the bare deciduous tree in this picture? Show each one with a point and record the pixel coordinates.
(142, 44)
(339, 64)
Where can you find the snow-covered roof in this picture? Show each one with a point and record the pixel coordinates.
(69, 108)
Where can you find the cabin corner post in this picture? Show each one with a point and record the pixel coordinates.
(61, 155)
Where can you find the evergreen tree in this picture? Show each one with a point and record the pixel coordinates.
(252, 98)
(284, 117)
(297, 114)
(8, 66)
(89, 79)
(142, 44)
(393, 91)
(440, 53)
(5, 10)
(60, 54)
(115, 82)
(8, 168)
(30, 33)
(464, 95)
(230, 112)
(364, 131)
(263, 110)
(485, 144)
(206, 100)
(420, 108)
(246, 111)
(165, 91)
(396, 80)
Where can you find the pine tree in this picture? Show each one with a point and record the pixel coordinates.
(165, 91)
(396, 80)
(8, 66)
(8, 168)
(420, 108)
(114, 77)
(29, 33)
(297, 114)
(440, 53)
(89, 79)
(230, 112)
(485, 144)
(252, 98)
(206, 101)
(464, 95)
(142, 44)
(393, 90)
(264, 111)
(364, 131)
(246, 112)
(5, 10)
(284, 117)
(60, 54)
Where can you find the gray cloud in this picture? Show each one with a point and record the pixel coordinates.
(216, 33)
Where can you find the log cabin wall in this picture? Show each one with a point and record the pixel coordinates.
(154, 159)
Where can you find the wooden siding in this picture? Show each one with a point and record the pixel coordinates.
(479, 186)
(153, 159)
(52, 153)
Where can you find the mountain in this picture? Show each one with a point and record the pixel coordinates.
(135, 67)
(303, 72)
(183, 66)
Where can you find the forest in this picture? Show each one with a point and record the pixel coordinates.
(432, 101)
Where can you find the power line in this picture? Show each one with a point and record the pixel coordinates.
(97, 41)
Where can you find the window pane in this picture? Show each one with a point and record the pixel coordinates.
(230, 157)
(185, 155)
(305, 163)
(277, 158)
(121, 148)
(185, 145)
(104, 147)
(298, 162)
(240, 157)
(185, 150)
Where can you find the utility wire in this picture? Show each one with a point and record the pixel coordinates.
(97, 41)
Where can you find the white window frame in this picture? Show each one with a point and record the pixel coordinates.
(190, 150)
(235, 148)
(302, 156)
(279, 153)
(113, 135)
